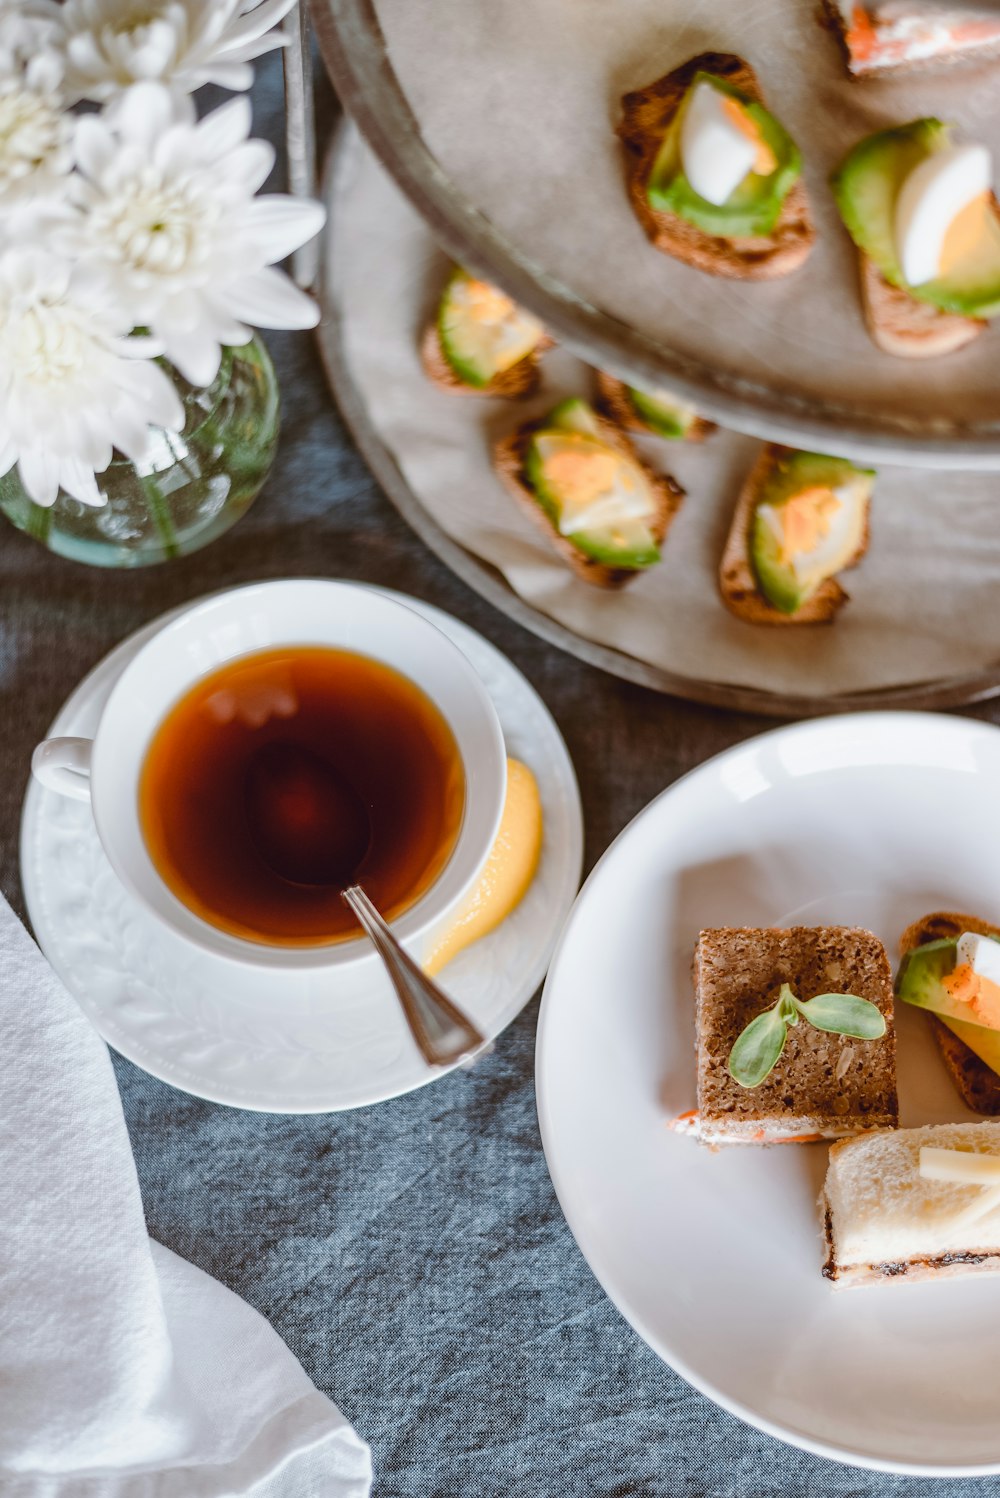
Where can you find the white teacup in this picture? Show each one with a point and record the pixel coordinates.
(105, 770)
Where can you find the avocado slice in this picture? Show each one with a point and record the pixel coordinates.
(866, 187)
(478, 350)
(574, 427)
(918, 982)
(575, 415)
(784, 587)
(663, 413)
(755, 207)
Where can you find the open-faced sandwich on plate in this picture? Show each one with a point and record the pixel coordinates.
(794, 1035)
(881, 36)
(951, 968)
(800, 519)
(480, 342)
(658, 411)
(580, 479)
(913, 1204)
(920, 208)
(713, 177)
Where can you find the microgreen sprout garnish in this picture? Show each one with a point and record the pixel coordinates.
(758, 1047)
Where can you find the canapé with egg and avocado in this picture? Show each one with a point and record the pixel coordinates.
(580, 479)
(920, 208)
(801, 518)
(713, 176)
(481, 342)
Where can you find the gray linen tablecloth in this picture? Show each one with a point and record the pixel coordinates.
(412, 1255)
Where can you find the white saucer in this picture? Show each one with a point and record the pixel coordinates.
(715, 1259)
(299, 1045)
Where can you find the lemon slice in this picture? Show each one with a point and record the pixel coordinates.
(508, 871)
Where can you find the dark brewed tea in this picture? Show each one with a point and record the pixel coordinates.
(210, 800)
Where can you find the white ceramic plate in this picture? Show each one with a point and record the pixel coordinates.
(302, 1043)
(715, 1258)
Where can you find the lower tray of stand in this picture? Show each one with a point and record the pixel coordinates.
(920, 630)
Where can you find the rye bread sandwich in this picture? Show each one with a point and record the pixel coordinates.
(657, 411)
(577, 476)
(948, 975)
(794, 1035)
(479, 341)
(913, 1204)
(800, 519)
(712, 176)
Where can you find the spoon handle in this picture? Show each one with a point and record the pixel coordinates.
(443, 1033)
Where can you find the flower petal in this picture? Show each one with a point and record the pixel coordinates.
(196, 354)
(144, 112)
(267, 299)
(223, 129)
(77, 479)
(94, 145)
(279, 223)
(254, 23)
(250, 165)
(234, 74)
(251, 50)
(39, 473)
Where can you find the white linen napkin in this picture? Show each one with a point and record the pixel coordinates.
(125, 1372)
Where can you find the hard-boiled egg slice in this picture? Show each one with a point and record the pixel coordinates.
(819, 530)
(496, 325)
(940, 211)
(720, 144)
(982, 954)
(597, 487)
(976, 979)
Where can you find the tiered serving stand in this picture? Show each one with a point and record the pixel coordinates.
(945, 419)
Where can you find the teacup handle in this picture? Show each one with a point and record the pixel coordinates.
(63, 766)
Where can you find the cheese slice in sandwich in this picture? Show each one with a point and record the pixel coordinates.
(913, 1204)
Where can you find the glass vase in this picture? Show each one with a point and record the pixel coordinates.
(193, 485)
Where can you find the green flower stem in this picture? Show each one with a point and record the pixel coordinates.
(159, 509)
(39, 522)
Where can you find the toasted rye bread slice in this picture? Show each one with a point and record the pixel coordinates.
(616, 401)
(741, 593)
(514, 383)
(978, 1084)
(825, 1083)
(646, 115)
(508, 461)
(900, 324)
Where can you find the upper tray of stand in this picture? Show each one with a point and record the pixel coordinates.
(498, 123)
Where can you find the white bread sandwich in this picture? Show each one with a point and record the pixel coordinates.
(913, 1204)
(884, 36)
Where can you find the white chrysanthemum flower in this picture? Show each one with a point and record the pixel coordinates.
(167, 208)
(34, 133)
(73, 386)
(111, 44)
